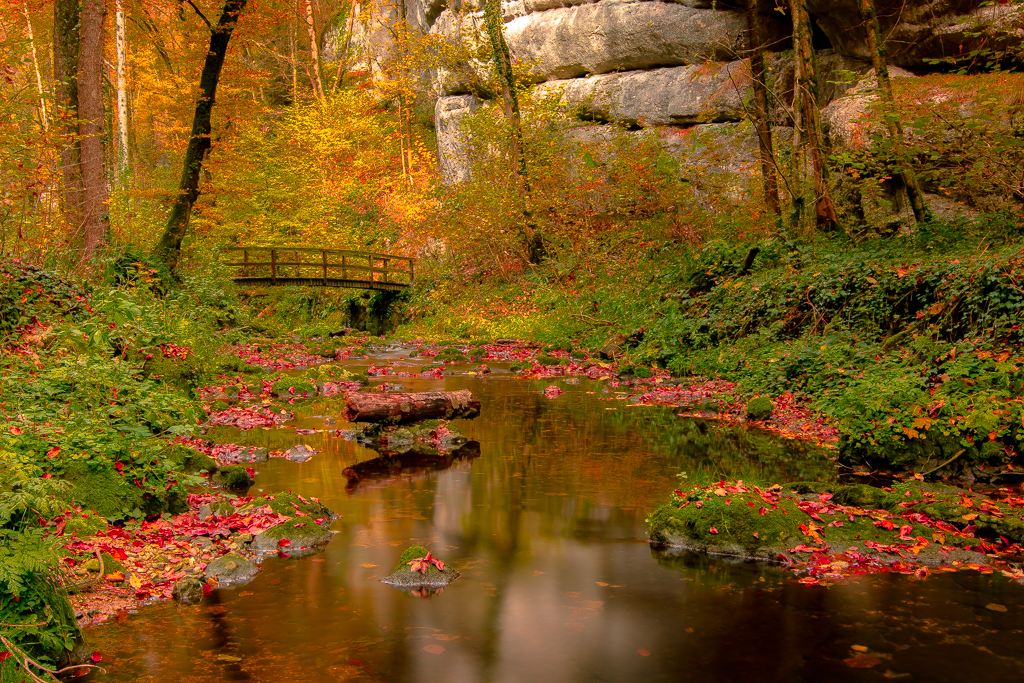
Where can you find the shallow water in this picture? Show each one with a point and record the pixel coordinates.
(558, 581)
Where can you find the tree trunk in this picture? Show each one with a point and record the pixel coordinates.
(405, 408)
(35, 66)
(122, 93)
(826, 210)
(761, 123)
(870, 19)
(90, 127)
(510, 101)
(168, 248)
(314, 51)
(66, 39)
(343, 62)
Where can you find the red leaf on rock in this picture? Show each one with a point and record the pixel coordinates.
(713, 530)
(284, 543)
(96, 657)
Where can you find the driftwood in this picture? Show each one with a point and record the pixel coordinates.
(406, 408)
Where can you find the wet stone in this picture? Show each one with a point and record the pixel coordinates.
(231, 568)
(188, 591)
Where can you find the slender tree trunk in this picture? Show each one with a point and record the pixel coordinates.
(122, 92)
(66, 39)
(796, 166)
(343, 62)
(314, 51)
(510, 100)
(35, 65)
(870, 19)
(90, 112)
(168, 248)
(826, 210)
(762, 124)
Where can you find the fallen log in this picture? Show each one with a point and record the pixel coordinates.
(406, 408)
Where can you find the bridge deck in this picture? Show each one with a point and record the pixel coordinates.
(304, 266)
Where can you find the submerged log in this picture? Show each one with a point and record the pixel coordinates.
(405, 408)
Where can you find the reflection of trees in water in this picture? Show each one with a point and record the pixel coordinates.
(222, 637)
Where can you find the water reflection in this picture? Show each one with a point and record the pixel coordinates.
(558, 583)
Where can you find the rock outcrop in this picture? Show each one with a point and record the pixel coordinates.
(678, 70)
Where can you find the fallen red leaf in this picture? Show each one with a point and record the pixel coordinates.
(96, 657)
(284, 543)
(713, 530)
(643, 653)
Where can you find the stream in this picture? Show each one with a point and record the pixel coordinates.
(558, 580)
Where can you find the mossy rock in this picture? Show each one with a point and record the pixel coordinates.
(233, 477)
(287, 504)
(642, 372)
(110, 565)
(96, 486)
(301, 533)
(402, 576)
(759, 409)
(231, 364)
(218, 406)
(299, 388)
(189, 461)
(520, 366)
(548, 360)
(627, 370)
(450, 354)
(188, 590)
(578, 355)
(477, 353)
(231, 568)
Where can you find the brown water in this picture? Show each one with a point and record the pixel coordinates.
(558, 582)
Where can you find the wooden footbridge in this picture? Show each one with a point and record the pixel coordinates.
(272, 266)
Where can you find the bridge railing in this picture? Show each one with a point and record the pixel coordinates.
(300, 263)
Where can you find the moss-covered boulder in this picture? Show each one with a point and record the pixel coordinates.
(234, 477)
(477, 353)
(290, 504)
(289, 388)
(418, 569)
(189, 461)
(230, 568)
(95, 485)
(187, 590)
(759, 409)
(450, 354)
(915, 522)
(297, 536)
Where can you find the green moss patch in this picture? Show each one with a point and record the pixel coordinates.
(908, 526)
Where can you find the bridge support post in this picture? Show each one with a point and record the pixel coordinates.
(323, 253)
(273, 266)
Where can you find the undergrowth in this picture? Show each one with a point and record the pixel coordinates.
(910, 345)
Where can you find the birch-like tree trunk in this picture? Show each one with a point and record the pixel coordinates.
(168, 248)
(122, 91)
(314, 51)
(90, 111)
(35, 65)
(875, 45)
